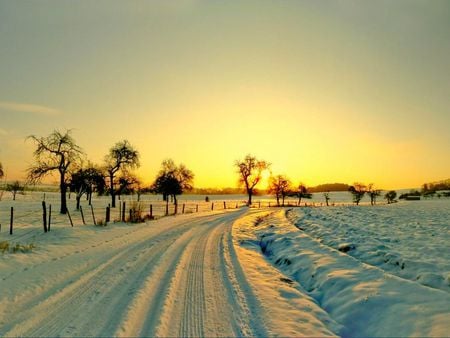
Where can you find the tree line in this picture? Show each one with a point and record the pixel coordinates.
(59, 153)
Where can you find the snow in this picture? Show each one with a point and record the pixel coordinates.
(365, 299)
(324, 271)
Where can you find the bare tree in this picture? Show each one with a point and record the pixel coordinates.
(15, 188)
(55, 153)
(301, 192)
(122, 156)
(279, 186)
(390, 196)
(85, 181)
(172, 180)
(326, 195)
(358, 190)
(373, 193)
(250, 172)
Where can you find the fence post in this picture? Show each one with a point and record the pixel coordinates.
(11, 221)
(93, 216)
(183, 208)
(259, 204)
(107, 216)
(49, 216)
(44, 216)
(212, 206)
(236, 206)
(196, 208)
(123, 211)
(224, 205)
(167, 209)
(131, 215)
(151, 211)
(82, 215)
(70, 218)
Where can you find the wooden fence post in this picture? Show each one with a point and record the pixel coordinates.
(167, 209)
(151, 211)
(236, 206)
(175, 210)
(212, 206)
(70, 218)
(93, 216)
(44, 216)
(11, 221)
(196, 208)
(49, 216)
(107, 216)
(183, 208)
(259, 204)
(123, 211)
(131, 215)
(82, 215)
(224, 205)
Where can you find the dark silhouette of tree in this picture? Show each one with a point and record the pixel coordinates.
(172, 180)
(86, 181)
(301, 192)
(326, 195)
(128, 184)
(390, 196)
(373, 193)
(358, 190)
(57, 152)
(121, 157)
(279, 186)
(250, 172)
(15, 188)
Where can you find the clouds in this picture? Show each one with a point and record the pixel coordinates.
(28, 108)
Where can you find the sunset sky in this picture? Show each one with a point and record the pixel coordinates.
(327, 91)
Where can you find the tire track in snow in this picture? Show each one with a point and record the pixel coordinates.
(207, 298)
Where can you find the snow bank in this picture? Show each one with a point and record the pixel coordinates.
(364, 299)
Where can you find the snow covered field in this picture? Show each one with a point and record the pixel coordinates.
(349, 271)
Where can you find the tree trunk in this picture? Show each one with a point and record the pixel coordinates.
(111, 191)
(278, 200)
(63, 189)
(175, 202)
(250, 194)
(282, 200)
(78, 201)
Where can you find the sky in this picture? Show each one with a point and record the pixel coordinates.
(326, 91)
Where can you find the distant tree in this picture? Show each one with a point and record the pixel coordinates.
(121, 157)
(301, 192)
(358, 190)
(390, 196)
(373, 193)
(86, 181)
(172, 180)
(279, 186)
(250, 172)
(327, 197)
(128, 183)
(15, 188)
(57, 152)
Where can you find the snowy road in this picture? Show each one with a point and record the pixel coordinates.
(173, 277)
